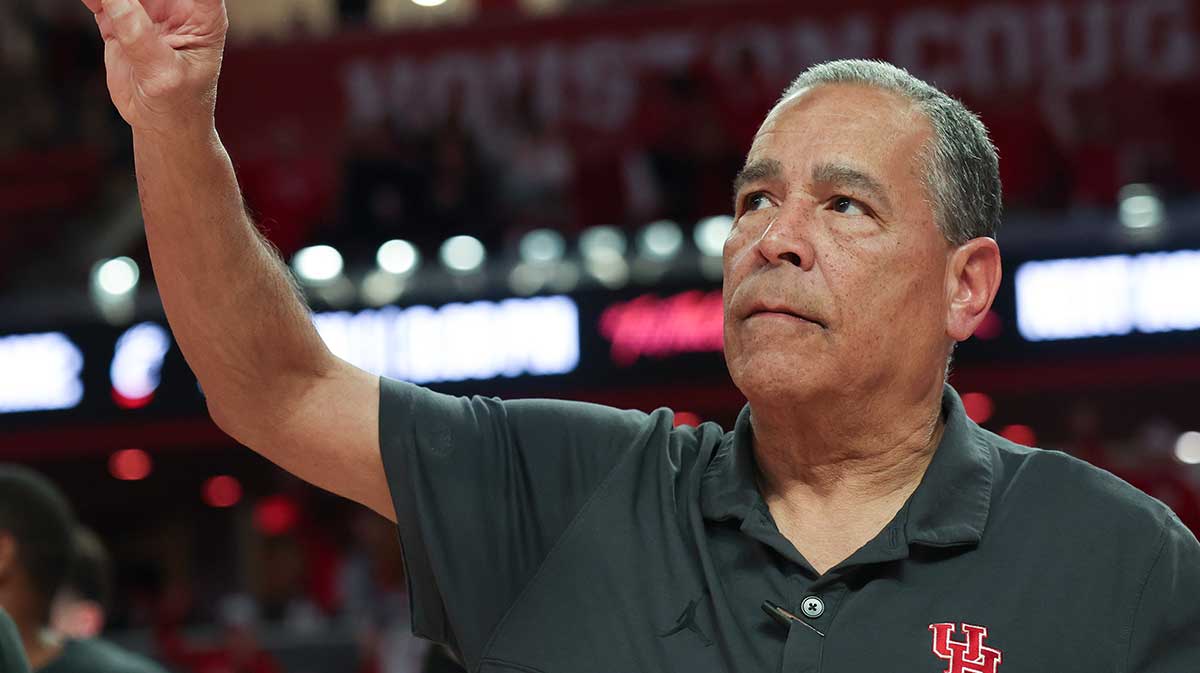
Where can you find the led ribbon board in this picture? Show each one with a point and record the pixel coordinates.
(457, 342)
(1108, 296)
(39, 372)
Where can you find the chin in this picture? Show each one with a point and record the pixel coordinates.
(774, 377)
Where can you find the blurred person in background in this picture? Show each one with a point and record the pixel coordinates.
(39, 547)
(1149, 463)
(538, 168)
(79, 614)
(461, 188)
(281, 586)
(36, 544)
(80, 609)
(549, 535)
(375, 598)
(238, 651)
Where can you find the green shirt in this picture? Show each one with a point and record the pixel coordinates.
(548, 536)
(96, 655)
(12, 651)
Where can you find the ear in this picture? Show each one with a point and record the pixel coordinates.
(972, 279)
(8, 555)
(77, 618)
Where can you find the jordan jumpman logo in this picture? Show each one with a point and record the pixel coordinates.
(687, 620)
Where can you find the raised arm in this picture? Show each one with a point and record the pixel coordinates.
(269, 380)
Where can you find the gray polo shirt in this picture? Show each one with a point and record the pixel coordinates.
(554, 537)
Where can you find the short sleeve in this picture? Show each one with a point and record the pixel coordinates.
(1165, 633)
(483, 488)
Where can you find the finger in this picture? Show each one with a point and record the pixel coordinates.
(210, 5)
(136, 34)
(93, 5)
(105, 25)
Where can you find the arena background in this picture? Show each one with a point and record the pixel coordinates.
(527, 197)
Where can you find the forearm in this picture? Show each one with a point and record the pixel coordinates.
(231, 304)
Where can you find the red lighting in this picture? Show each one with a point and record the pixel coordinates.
(131, 402)
(222, 491)
(990, 327)
(1019, 434)
(687, 418)
(979, 407)
(688, 322)
(130, 464)
(276, 515)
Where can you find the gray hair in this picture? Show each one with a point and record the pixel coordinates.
(962, 169)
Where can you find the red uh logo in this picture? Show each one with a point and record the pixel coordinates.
(971, 656)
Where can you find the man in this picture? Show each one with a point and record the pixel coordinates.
(853, 520)
(80, 608)
(37, 554)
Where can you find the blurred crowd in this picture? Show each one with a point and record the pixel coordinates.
(60, 139)
(307, 599)
(517, 171)
(62, 149)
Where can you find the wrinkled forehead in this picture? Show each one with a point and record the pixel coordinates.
(857, 121)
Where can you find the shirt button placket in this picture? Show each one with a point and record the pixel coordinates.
(806, 638)
(819, 604)
(812, 607)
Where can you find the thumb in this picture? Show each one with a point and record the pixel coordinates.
(135, 32)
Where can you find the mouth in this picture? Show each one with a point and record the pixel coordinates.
(783, 313)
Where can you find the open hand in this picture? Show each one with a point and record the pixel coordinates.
(163, 59)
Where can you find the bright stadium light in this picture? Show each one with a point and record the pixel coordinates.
(602, 243)
(428, 3)
(116, 277)
(710, 234)
(381, 287)
(612, 272)
(1139, 207)
(1187, 448)
(398, 257)
(660, 240)
(136, 369)
(542, 246)
(463, 254)
(526, 278)
(318, 263)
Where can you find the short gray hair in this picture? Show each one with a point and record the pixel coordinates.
(962, 169)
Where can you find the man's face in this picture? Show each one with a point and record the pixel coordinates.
(835, 268)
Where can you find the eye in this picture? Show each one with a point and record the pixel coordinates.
(849, 206)
(756, 201)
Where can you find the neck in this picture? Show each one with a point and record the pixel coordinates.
(877, 449)
(41, 645)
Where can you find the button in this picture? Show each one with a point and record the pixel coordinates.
(812, 607)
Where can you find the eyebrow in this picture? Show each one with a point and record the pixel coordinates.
(762, 169)
(826, 173)
(848, 176)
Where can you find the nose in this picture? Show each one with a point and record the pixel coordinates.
(786, 241)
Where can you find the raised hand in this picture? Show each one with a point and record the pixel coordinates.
(163, 59)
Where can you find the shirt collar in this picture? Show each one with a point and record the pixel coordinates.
(728, 488)
(949, 507)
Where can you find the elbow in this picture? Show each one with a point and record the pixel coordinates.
(230, 421)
